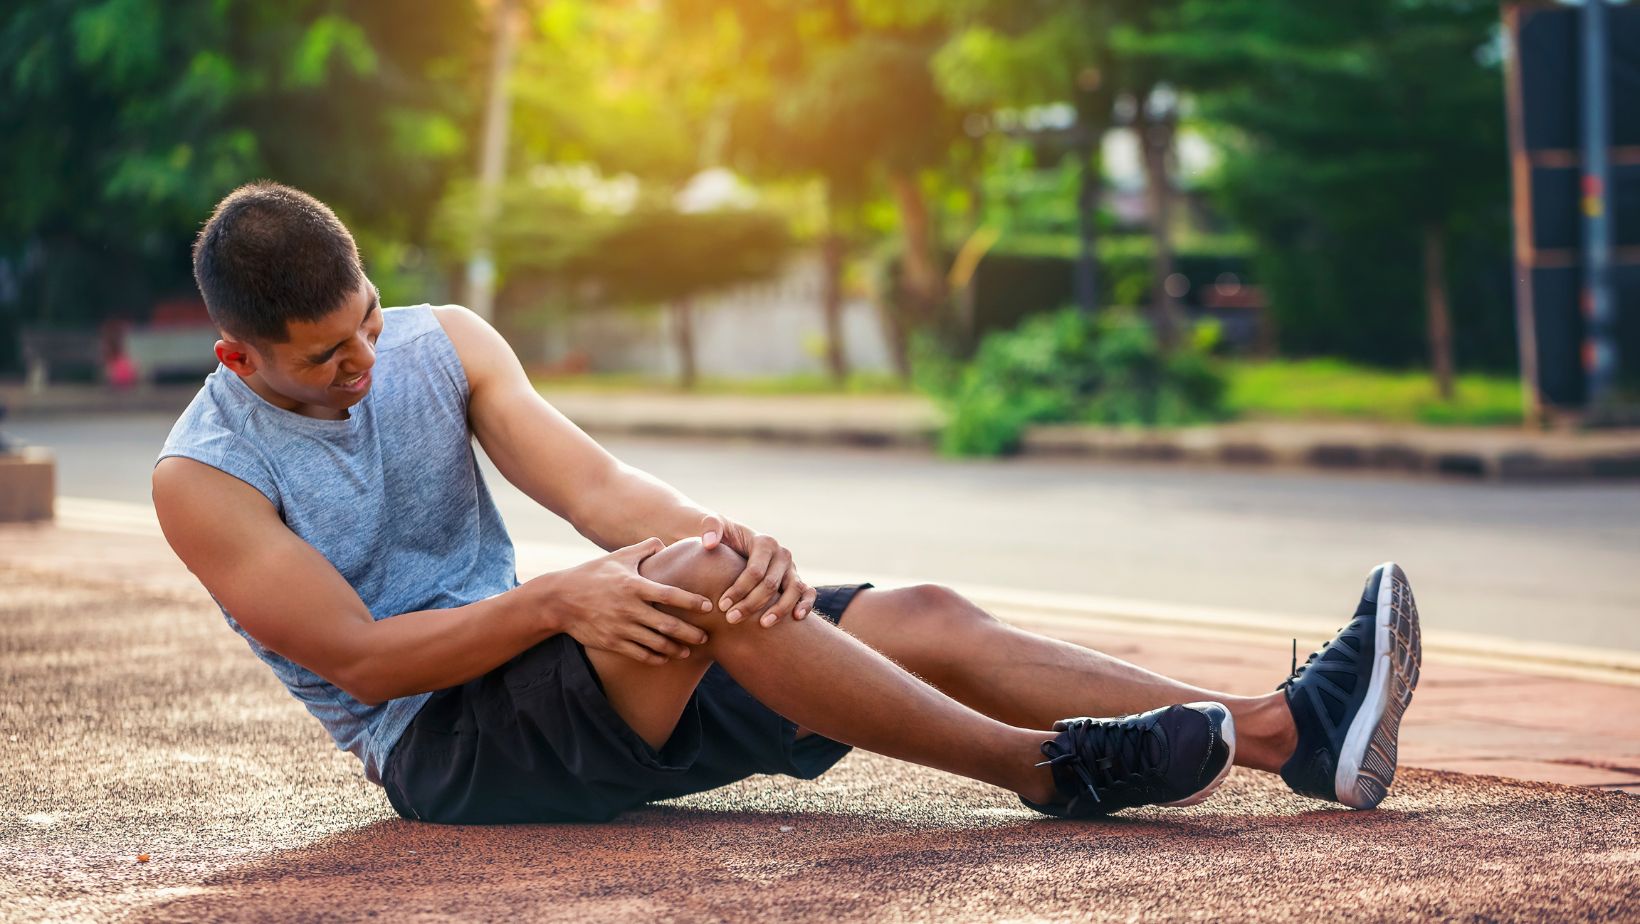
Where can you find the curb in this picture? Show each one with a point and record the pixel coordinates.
(1496, 455)
(22, 404)
(792, 434)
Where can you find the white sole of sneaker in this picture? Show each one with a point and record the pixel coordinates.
(1366, 763)
(1228, 731)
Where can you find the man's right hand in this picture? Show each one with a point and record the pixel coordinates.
(607, 604)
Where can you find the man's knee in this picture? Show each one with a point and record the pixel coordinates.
(940, 609)
(933, 624)
(690, 565)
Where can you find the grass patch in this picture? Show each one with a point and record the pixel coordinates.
(1321, 389)
(857, 383)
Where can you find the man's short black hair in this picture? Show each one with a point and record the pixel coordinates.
(270, 255)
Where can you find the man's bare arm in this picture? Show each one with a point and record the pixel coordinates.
(292, 600)
(552, 460)
(560, 467)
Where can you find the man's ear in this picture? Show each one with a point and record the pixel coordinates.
(237, 355)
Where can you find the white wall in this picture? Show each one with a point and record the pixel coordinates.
(771, 328)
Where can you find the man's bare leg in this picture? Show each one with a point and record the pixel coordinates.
(823, 679)
(1025, 679)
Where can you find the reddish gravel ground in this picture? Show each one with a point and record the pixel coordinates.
(133, 722)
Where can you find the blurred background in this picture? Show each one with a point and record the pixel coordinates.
(969, 218)
(816, 192)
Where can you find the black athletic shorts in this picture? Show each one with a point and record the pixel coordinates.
(535, 740)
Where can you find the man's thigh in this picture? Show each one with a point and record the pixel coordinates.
(648, 697)
(651, 698)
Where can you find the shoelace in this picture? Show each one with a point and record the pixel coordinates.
(1296, 669)
(1110, 738)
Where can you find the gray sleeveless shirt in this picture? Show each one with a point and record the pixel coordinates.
(392, 496)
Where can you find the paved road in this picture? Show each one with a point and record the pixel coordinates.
(1551, 563)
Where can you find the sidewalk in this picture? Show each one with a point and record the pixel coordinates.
(156, 772)
(1504, 454)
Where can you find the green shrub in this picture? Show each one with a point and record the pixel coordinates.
(1066, 366)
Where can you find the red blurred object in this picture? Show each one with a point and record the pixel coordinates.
(121, 372)
(180, 312)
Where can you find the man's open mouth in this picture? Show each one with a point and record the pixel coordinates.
(355, 383)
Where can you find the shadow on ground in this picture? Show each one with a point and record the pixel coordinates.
(144, 726)
(1457, 846)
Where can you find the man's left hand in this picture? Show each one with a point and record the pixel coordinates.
(769, 589)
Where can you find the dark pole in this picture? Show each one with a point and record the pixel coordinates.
(1520, 180)
(1599, 347)
(1087, 191)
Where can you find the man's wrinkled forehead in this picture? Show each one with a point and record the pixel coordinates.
(310, 339)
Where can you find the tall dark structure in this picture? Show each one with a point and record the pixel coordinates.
(1574, 136)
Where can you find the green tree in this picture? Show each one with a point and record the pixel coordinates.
(667, 256)
(125, 120)
(1364, 137)
(840, 92)
(556, 242)
(612, 112)
(1011, 55)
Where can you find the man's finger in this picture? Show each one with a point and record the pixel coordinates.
(658, 643)
(785, 605)
(711, 531)
(676, 628)
(757, 564)
(769, 589)
(639, 551)
(677, 597)
(638, 653)
(806, 605)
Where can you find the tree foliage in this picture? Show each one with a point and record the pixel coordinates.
(1351, 131)
(1349, 128)
(126, 120)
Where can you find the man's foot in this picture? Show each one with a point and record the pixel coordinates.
(1176, 755)
(1347, 699)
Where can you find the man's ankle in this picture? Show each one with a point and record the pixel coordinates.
(1265, 734)
(1041, 788)
(1036, 784)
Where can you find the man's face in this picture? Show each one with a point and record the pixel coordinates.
(323, 367)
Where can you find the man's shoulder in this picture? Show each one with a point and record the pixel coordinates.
(215, 433)
(410, 325)
(212, 419)
(478, 348)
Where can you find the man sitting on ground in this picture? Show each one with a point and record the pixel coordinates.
(323, 487)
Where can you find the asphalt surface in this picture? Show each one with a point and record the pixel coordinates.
(133, 722)
(1548, 563)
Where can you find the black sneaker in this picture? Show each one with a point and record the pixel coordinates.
(1348, 698)
(1176, 755)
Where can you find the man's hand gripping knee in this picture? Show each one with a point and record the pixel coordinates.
(606, 604)
(769, 587)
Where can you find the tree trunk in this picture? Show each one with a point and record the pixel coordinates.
(1155, 136)
(1093, 99)
(1440, 318)
(831, 291)
(966, 307)
(1087, 234)
(683, 332)
(919, 277)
